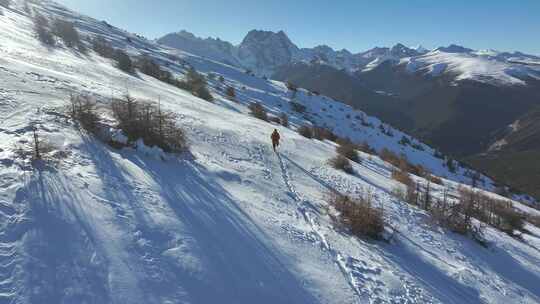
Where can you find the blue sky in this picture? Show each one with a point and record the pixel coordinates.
(352, 24)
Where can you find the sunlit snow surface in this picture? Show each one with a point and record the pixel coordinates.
(234, 222)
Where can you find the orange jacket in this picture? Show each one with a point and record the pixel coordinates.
(275, 136)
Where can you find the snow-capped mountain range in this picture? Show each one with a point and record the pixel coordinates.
(265, 51)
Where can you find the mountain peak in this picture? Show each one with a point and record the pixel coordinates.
(399, 50)
(186, 34)
(255, 36)
(454, 48)
(420, 49)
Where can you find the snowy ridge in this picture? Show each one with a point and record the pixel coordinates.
(235, 223)
(481, 66)
(264, 51)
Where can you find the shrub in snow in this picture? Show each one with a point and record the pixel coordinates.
(348, 150)
(451, 165)
(196, 84)
(149, 122)
(44, 34)
(123, 61)
(402, 177)
(83, 110)
(359, 215)
(342, 163)
(291, 86)
(438, 154)
(102, 47)
(507, 219)
(67, 32)
(151, 68)
(306, 131)
(27, 8)
(323, 133)
(386, 131)
(417, 170)
(284, 119)
(534, 220)
(458, 217)
(203, 93)
(404, 141)
(502, 191)
(364, 123)
(495, 212)
(318, 133)
(418, 147)
(297, 107)
(5, 3)
(231, 93)
(468, 214)
(258, 111)
(390, 157)
(274, 119)
(402, 163)
(435, 179)
(366, 148)
(39, 150)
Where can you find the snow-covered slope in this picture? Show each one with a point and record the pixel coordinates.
(234, 222)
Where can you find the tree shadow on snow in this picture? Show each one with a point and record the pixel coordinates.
(506, 266)
(437, 282)
(61, 257)
(218, 254)
(449, 289)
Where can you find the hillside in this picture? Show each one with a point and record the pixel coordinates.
(229, 221)
(514, 154)
(437, 95)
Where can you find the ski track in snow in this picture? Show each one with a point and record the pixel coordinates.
(362, 277)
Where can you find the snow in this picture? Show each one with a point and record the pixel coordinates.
(233, 223)
(480, 66)
(118, 136)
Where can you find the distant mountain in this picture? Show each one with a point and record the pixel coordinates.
(263, 52)
(212, 48)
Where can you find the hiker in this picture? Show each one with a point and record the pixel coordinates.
(275, 139)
